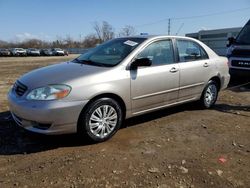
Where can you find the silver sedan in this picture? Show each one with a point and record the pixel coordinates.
(119, 79)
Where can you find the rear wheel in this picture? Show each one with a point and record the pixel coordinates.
(101, 119)
(209, 95)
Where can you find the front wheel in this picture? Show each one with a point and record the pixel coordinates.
(101, 119)
(209, 95)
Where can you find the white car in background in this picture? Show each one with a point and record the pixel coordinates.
(33, 52)
(58, 51)
(18, 52)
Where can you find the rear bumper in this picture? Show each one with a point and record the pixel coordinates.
(20, 54)
(33, 54)
(46, 117)
(59, 53)
(225, 81)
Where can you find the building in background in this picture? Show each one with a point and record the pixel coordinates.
(216, 39)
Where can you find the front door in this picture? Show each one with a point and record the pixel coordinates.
(157, 85)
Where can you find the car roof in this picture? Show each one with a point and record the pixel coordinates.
(157, 37)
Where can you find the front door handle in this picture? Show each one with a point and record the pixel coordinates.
(205, 64)
(173, 69)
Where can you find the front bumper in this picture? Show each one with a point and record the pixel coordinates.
(46, 117)
(235, 72)
(20, 53)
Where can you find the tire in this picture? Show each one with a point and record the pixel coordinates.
(209, 94)
(101, 119)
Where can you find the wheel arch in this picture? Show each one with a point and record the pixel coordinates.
(116, 97)
(217, 80)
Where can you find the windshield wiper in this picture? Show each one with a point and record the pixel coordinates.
(90, 62)
(77, 60)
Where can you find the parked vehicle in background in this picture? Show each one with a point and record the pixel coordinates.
(4, 52)
(239, 53)
(18, 52)
(33, 52)
(58, 51)
(119, 79)
(46, 52)
(66, 52)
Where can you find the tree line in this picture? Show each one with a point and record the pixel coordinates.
(101, 32)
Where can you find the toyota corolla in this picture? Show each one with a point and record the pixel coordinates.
(119, 79)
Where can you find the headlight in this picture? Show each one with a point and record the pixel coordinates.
(50, 92)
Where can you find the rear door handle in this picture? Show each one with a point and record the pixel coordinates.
(205, 64)
(173, 69)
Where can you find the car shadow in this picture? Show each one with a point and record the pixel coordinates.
(161, 113)
(233, 109)
(239, 84)
(16, 140)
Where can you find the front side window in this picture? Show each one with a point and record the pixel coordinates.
(110, 53)
(160, 53)
(190, 51)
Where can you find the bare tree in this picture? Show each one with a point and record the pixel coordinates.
(90, 41)
(128, 30)
(3, 44)
(68, 42)
(104, 31)
(32, 43)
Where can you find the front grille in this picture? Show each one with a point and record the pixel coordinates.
(19, 88)
(241, 52)
(241, 63)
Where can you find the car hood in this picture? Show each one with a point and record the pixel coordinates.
(58, 74)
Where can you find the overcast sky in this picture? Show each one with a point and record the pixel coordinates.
(49, 19)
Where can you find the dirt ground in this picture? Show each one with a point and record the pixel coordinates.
(178, 147)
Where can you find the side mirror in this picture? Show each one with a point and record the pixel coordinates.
(230, 41)
(141, 62)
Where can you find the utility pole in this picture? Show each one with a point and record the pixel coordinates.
(169, 26)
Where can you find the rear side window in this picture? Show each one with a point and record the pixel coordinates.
(160, 52)
(190, 51)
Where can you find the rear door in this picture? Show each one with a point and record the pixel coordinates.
(195, 68)
(155, 86)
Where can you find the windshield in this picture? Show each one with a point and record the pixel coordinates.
(110, 53)
(244, 35)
